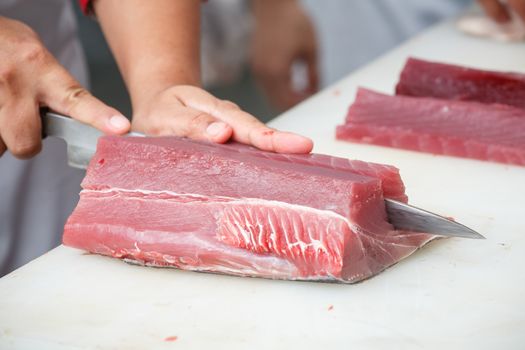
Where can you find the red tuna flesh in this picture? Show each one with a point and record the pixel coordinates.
(463, 129)
(232, 209)
(423, 78)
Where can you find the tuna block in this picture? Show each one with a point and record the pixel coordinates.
(232, 209)
(430, 79)
(464, 129)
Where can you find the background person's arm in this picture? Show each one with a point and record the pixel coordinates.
(156, 45)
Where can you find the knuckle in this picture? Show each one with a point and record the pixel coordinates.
(228, 105)
(197, 121)
(192, 127)
(7, 73)
(74, 94)
(32, 51)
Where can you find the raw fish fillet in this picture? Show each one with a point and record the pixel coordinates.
(233, 209)
(463, 129)
(430, 79)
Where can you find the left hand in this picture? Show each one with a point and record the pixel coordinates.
(284, 34)
(189, 111)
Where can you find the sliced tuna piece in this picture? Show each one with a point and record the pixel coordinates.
(431, 79)
(232, 209)
(463, 129)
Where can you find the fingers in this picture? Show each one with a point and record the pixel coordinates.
(23, 136)
(187, 122)
(518, 6)
(64, 94)
(249, 130)
(268, 139)
(495, 10)
(192, 112)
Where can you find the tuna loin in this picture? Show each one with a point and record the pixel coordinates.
(430, 79)
(232, 209)
(464, 129)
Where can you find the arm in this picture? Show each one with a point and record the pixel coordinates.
(31, 77)
(156, 45)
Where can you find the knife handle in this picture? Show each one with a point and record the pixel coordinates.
(42, 112)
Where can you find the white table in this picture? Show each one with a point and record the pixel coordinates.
(453, 294)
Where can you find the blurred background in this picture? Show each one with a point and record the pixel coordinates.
(348, 34)
(107, 84)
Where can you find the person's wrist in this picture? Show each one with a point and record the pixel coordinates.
(143, 92)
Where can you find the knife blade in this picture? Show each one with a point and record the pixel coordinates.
(81, 140)
(407, 217)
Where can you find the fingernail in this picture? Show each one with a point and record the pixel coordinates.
(119, 122)
(215, 128)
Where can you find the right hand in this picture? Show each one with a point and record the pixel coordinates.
(499, 11)
(30, 77)
(189, 111)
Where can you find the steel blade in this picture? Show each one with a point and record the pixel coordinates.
(406, 217)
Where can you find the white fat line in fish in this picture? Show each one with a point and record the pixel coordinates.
(284, 251)
(296, 228)
(248, 220)
(272, 241)
(260, 232)
(118, 190)
(237, 227)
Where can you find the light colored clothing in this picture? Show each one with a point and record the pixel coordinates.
(37, 195)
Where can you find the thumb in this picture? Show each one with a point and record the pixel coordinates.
(63, 94)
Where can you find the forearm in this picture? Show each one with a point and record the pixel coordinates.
(156, 43)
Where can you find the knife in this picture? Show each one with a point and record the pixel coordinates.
(81, 140)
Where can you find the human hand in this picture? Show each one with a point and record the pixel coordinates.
(30, 77)
(189, 111)
(499, 10)
(283, 35)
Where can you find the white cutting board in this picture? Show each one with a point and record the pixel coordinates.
(452, 294)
